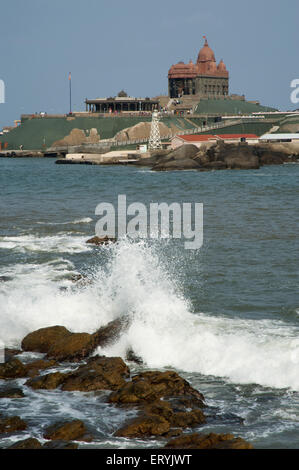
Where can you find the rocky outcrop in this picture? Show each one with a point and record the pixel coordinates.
(100, 373)
(209, 441)
(58, 445)
(47, 381)
(220, 156)
(12, 393)
(62, 345)
(68, 431)
(11, 424)
(150, 386)
(98, 241)
(139, 131)
(74, 347)
(145, 426)
(41, 340)
(30, 443)
(15, 369)
(78, 137)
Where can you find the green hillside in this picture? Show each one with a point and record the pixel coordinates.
(226, 107)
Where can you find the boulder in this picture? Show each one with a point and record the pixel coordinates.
(100, 373)
(73, 347)
(183, 152)
(110, 332)
(9, 353)
(46, 382)
(144, 426)
(12, 393)
(41, 340)
(29, 443)
(60, 445)
(67, 431)
(11, 424)
(150, 386)
(178, 164)
(271, 158)
(13, 369)
(34, 367)
(208, 441)
(98, 241)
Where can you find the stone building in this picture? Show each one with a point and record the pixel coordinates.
(205, 79)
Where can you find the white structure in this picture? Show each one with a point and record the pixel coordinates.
(155, 138)
(280, 138)
(203, 139)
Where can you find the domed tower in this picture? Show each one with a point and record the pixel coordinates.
(206, 58)
(204, 78)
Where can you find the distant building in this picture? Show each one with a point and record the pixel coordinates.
(121, 103)
(201, 139)
(205, 78)
(276, 138)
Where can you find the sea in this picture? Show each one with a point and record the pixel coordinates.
(224, 316)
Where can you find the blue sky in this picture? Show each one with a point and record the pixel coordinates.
(113, 45)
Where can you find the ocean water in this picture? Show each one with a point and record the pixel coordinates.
(225, 317)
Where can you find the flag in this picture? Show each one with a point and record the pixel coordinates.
(70, 76)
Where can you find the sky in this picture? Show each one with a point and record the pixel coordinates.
(110, 45)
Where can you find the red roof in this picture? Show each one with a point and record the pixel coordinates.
(196, 138)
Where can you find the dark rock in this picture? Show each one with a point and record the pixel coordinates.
(271, 158)
(11, 393)
(209, 441)
(60, 445)
(144, 426)
(101, 241)
(150, 386)
(13, 369)
(46, 382)
(184, 152)
(34, 367)
(66, 431)
(110, 332)
(5, 278)
(180, 164)
(100, 373)
(75, 346)
(9, 353)
(42, 340)
(29, 443)
(132, 357)
(188, 418)
(11, 424)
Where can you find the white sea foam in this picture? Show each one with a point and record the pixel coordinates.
(164, 331)
(84, 220)
(61, 243)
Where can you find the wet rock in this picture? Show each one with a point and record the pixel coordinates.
(73, 347)
(209, 441)
(110, 332)
(42, 340)
(132, 357)
(67, 431)
(34, 367)
(9, 353)
(13, 369)
(186, 419)
(186, 164)
(144, 426)
(46, 382)
(60, 445)
(5, 278)
(271, 158)
(11, 424)
(12, 393)
(100, 373)
(30, 443)
(98, 241)
(150, 386)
